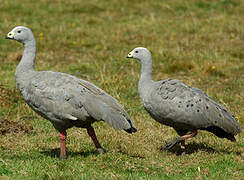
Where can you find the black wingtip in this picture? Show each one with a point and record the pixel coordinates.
(231, 138)
(131, 130)
(220, 133)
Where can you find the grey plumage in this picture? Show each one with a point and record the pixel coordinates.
(64, 100)
(182, 107)
(68, 101)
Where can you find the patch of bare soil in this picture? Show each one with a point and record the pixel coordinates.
(8, 97)
(7, 126)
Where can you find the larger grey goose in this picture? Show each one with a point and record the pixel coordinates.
(65, 100)
(182, 107)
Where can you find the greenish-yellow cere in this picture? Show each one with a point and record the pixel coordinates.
(10, 34)
(130, 54)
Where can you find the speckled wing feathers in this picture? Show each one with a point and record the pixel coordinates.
(191, 108)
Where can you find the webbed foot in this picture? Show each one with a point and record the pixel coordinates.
(171, 143)
(101, 150)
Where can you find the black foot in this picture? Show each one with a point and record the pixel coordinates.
(183, 153)
(62, 157)
(171, 143)
(101, 151)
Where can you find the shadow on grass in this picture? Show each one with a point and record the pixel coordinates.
(56, 152)
(194, 147)
(132, 156)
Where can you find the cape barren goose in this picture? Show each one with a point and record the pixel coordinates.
(65, 100)
(185, 108)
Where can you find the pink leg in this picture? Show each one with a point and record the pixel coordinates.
(187, 136)
(91, 132)
(180, 140)
(182, 145)
(63, 145)
(191, 135)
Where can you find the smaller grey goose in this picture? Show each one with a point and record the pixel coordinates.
(186, 109)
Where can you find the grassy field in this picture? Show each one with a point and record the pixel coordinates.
(200, 42)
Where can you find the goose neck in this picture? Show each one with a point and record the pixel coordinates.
(146, 72)
(27, 61)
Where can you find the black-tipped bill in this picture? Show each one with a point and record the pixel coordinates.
(131, 130)
(130, 55)
(10, 35)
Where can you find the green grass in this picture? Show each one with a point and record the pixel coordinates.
(90, 40)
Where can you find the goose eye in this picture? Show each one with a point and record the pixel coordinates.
(19, 31)
(136, 51)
